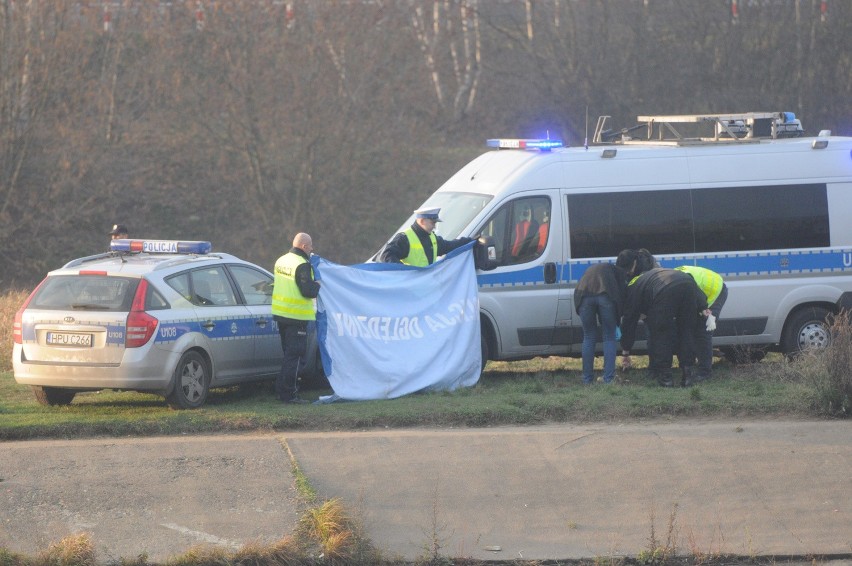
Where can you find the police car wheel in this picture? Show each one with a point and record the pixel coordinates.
(806, 329)
(191, 382)
(53, 395)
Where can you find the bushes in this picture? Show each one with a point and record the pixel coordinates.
(828, 373)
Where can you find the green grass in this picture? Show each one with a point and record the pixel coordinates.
(519, 393)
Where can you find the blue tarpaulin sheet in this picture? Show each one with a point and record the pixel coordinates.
(386, 330)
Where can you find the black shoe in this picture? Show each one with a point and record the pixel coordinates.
(688, 377)
(295, 401)
(663, 379)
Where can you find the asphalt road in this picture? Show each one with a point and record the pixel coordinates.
(750, 488)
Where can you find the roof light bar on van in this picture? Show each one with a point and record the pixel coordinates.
(161, 246)
(507, 143)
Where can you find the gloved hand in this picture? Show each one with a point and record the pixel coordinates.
(626, 363)
(710, 325)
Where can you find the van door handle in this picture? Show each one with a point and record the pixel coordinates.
(550, 272)
(209, 325)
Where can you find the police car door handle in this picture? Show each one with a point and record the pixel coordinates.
(261, 322)
(209, 325)
(550, 272)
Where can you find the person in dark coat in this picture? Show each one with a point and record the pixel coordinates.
(671, 303)
(419, 245)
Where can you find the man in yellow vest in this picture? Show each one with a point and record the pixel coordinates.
(419, 245)
(712, 284)
(293, 307)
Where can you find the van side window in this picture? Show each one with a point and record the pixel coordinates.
(520, 230)
(699, 220)
(761, 218)
(603, 224)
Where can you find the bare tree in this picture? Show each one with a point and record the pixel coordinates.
(450, 30)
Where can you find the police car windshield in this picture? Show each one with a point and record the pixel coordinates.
(457, 210)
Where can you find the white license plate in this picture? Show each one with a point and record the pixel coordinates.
(69, 339)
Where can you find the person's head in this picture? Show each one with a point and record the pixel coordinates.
(645, 261)
(627, 260)
(427, 218)
(118, 232)
(303, 242)
(526, 214)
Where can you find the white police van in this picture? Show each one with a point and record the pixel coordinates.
(160, 316)
(752, 199)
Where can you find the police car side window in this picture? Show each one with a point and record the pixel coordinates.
(255, 286)
(180, 283)
(211, 287)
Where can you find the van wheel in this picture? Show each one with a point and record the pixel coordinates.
(806, 329)
(484, 347)
(53, 395)
(192, 382)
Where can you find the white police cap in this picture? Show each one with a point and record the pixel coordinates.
(428, 213)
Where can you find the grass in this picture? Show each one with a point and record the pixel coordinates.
(517, 393)
(509, 393)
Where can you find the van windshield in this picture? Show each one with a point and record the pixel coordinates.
(457, 210)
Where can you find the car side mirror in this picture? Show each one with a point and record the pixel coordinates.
(485, 254)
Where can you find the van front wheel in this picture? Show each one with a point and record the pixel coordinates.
(486, 351)
(806, 329)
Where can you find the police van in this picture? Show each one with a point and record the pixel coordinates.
(746, 195)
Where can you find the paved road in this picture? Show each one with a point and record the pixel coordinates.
(767, 488)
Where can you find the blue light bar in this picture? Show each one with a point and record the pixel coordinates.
(161, 246)
(507, 143)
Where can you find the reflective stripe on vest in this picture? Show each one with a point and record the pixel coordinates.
(287, 300)
(416, 253)
(708, 281)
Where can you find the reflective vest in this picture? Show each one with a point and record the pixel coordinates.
(416, 253)
(287, 299)
(708, 281)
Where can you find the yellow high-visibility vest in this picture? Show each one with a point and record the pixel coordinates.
(708, 281)
(287, 300)
(416, 253)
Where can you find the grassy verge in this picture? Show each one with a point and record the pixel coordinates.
(519, 393)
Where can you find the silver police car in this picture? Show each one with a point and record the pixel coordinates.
(160, 316)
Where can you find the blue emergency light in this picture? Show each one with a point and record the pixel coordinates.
(161, 246)
(507, 143)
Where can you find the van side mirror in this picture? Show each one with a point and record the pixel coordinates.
(485, 253)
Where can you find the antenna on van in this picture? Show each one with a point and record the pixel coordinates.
(586, 139)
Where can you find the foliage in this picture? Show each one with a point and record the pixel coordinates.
(339, 118)
(827, 374)
(10, 302)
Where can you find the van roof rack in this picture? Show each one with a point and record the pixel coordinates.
(746, 127)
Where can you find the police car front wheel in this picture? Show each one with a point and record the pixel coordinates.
(191, 382)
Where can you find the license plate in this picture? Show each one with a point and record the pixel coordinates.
(69, 339)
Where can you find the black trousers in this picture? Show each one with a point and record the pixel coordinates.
(294, 343)
(671, 324)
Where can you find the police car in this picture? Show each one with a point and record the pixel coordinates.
(160, 316)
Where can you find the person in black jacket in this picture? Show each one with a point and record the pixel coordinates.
(671, 303)
(599, 298)
(419, 245)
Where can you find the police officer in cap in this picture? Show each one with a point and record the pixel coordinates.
(119, 232)
(419, 245)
